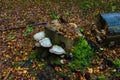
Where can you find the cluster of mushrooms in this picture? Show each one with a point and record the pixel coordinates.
(43, 41)
(69, 30)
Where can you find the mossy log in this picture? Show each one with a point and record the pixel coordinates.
(59, 39)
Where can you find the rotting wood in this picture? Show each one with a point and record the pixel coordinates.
(59, 39)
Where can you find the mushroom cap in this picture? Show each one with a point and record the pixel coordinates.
(38, 36)
(57, 50)
(45, 42)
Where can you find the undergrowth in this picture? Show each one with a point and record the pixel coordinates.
(82, 55)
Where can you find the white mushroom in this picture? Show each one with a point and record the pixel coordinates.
(63, 61)
(38, 36)
(37, 44)
(45, 42)
(57, 50)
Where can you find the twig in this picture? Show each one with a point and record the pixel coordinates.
(11, 28)
(6, 77)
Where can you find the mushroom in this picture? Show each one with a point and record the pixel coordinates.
(37, 44)
(73, 25)
(57, 50)
(45, 42)
(63, 61)
(38, 36)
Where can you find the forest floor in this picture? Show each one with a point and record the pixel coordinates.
(18, 24)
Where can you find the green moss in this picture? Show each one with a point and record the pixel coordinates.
(82, 55)
(54, 16)
(54, 60)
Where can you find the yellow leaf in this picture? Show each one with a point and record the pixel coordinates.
(90, 70)
(4, 73)
(18, 68)
(24, 71)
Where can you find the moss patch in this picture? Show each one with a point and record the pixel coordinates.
(82, 54)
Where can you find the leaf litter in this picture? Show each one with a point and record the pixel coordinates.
(17, 44)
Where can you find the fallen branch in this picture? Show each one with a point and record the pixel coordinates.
(12, 28)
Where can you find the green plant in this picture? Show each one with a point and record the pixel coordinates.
(68, 13)
(29, 29)
(117, 62)
(54, 16)
(10, 78)
(82, 55)
(7, 17)
(61, 73)
(81, 30)
(100, 78)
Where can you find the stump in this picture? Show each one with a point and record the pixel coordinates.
(58, 39)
